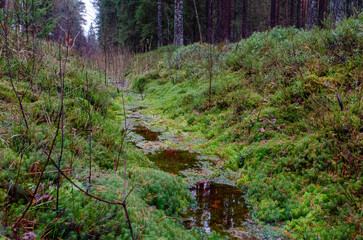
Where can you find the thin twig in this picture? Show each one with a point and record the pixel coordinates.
(21, 159)
(125, 163)
(10, 75)
(125, 169)
(40, 178)
(90, 131)
(79, 188)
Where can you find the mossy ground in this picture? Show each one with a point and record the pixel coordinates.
(275, 119)
(22, 156)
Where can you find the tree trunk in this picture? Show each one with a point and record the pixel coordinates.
(2, 3)
(298, 14)
(287, 12)
(352, 7)
(197, 17)
(322, 11)
(337, 10)
(209, 21)
(244, 18)
(160, 24)
(234, 30)
(313, 13)
(227, 21)
(303, 9)
(273, 14)
(292, 9)
(219, 30)
(277, 15)
(178, 23)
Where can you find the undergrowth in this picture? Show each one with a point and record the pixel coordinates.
(156, 197)
(275, 118)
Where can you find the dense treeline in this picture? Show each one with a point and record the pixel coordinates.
(59, 20)
(142, 25)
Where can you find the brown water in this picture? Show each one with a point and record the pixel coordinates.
(146, 133)
(219, 207)
(175, 161)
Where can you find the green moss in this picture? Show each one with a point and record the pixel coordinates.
(275, 118)
(81, 217)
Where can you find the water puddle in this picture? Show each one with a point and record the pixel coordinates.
(176, 161)
(218, 207)
(146, 133)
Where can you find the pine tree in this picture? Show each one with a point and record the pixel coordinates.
(227, 20)
(160, 24)
(92, 40)
(337, 8)
(313, 13)
(277, 14)
(244, 18)
(292, 11)
(209, 21)
(322, 10)
(178, 23)
(273, 14)
(2, 3)
(298, 13)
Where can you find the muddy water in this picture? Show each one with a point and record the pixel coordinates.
(218, 207)
(176, 161)
(146, 133)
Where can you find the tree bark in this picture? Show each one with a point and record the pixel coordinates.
(227, 21)
(178, 23)
(298, 14)
(2, 3)
(244, 18)
(219, 31)
(313, 13)
(273, 14)
(287, 12)
(197, 17)
(304, 12)
(292, 9)
(160, 24)
(277, 15)
(337, 8)
(322, 11)
(209, 22)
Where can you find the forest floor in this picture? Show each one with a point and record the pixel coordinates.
(219, 205)
(154, 197)
(282, 111)
(276, 118)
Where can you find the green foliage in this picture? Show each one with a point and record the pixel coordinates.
(276, 120)
(163, 191)
(22, 157)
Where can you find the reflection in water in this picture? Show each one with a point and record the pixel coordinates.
(219, 207)
(175, 161)
(147, 133)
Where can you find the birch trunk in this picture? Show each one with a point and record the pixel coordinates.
(160, 24)
(178, 23)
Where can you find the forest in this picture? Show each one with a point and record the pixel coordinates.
(181, 119)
